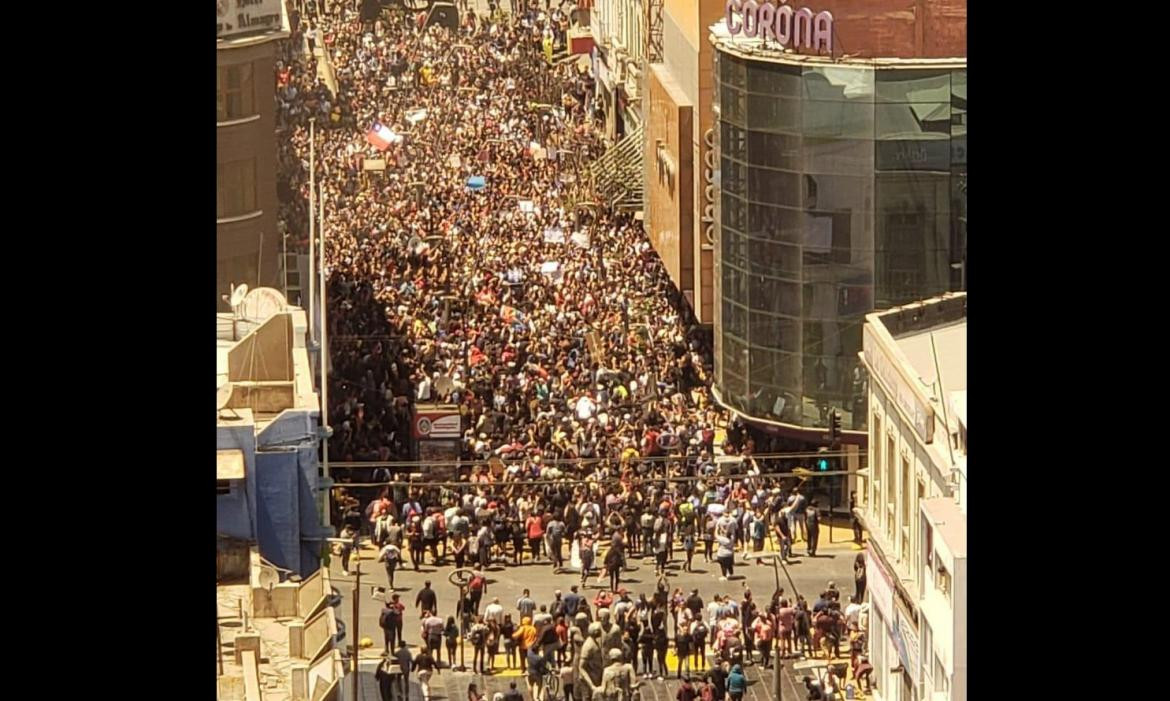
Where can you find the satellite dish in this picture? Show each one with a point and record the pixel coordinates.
(268, 577)
(238, 294)
(261, 303)
(223, 396)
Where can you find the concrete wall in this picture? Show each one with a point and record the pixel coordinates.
(236, 513)
(265, 354)
(669, 184)
(278, 522)
(243, 246)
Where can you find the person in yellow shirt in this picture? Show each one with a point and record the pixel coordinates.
(525, 637)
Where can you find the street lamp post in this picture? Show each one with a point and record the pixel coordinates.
(312, 231)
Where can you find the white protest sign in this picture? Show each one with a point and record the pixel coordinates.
(554, 236)
(581, 239)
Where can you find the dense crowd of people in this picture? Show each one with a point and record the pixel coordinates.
(474, 270)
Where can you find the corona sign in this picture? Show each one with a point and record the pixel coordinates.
(780, 24)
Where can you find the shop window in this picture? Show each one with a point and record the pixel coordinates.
(234, 92)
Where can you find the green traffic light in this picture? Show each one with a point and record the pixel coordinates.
(823, 465)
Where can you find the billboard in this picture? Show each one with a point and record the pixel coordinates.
(246, 16)
(436, 421)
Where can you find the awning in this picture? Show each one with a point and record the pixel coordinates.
(229, 464)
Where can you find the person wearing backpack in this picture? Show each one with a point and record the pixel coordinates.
(390, 556)
(390, 620)
(479, 634)
(476, 588)
(699, 643)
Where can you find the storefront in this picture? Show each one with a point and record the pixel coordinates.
(894, 640)
(842, 190)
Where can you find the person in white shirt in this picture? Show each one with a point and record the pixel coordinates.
(494, 612)
(853, 614)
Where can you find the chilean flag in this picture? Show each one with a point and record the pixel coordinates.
(381, 137)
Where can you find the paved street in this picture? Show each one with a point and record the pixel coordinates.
(833, 562)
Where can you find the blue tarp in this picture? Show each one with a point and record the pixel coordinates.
(476, 182)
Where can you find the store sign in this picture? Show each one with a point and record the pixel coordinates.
(780, 23)
(710, 171)
(906, 640)
(437, 424)
(898, 386)
(241, 16)
(879, 585)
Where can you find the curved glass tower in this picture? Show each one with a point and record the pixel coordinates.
(842, 191)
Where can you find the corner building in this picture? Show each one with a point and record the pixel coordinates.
(247, 241)
(842, 190)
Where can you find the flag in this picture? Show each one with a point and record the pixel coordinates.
(382, 137)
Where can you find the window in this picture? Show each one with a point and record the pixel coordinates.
(234, 92)
(942, 581)
(235, 188)
(876, 459)
(223, 487)
(907, 496)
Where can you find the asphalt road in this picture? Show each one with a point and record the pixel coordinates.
(810, 575)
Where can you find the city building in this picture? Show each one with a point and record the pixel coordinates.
(275, 640)
(268, 493)
(913, 500)
(840, 141)
(619, 34)
(680, 167)
(247, 243)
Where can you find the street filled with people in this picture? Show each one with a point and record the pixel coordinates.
(468, 264)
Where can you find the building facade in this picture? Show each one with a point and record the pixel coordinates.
(679, 160)
(268, 492)
(247, 245)
(619, 34)
(912, 502)
(841, 190)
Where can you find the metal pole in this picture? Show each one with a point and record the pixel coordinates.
(356, 615)
(218, 646)
(324, 355)
(312, 231)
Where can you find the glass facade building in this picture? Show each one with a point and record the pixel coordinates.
(842, 191)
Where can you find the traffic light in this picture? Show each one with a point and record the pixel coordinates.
(822, 461)
(834, 425)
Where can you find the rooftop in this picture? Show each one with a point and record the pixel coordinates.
(262, 366)
(276, 639)
(950, 525)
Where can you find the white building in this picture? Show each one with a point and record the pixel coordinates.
(914, 502)
(619, 34)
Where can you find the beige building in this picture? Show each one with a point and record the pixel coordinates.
(275, 640)
(247, 243)
(914, 500)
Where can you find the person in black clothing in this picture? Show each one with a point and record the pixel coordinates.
(646, 642)
(717, 678)
(856, 521)
(390, 620)
(859, 577)
(747, 609)
(385, 681)
(660, 645)
(426, 599)
(812, 519)
(405, 663)
(682, 644)
(613, 565)
(425, 666)
(686, 692)
(695, 603)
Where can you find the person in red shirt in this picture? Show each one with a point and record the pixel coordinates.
(535, 527)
